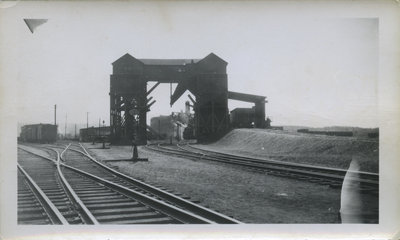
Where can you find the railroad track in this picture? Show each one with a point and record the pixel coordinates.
(365, 182)
(47, 175)
(78, 157)
(96, 194)
(33, 205)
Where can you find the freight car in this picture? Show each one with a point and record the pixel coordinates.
(103, 133)
(39, 133)
(94, 134)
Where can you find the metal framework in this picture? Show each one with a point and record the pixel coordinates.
(205, 78)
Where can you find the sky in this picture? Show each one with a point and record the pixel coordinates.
(315, 71)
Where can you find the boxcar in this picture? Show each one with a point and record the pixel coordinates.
(39, 133)
(94, 134)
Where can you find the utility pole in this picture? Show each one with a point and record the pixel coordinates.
(99, 127)
(55, 114)
(55, 120)
(65, 128)
(87, 119)
(75, 131)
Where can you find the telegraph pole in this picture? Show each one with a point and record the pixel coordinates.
(55, 120)
(55, 114)
(65, 128)
(87, 119)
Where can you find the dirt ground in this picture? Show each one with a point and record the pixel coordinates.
(248, 196)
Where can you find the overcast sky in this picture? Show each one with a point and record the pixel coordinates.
(314, 71)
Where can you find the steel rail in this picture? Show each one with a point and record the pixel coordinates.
(183, 203)
(282, 167)
(259, 160)
(55, 216)
(172, 211)
(62, 153)
(84, 213)
(30, 211)
(97, 180)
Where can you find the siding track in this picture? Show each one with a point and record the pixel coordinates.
(46, 176)
(33, 205)
(88, 192)
(75, 157)
(364, 181)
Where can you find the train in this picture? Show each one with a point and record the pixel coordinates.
(39, 133)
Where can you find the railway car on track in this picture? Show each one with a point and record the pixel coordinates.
(39, 133)
(94, 134)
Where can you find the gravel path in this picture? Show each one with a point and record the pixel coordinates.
(247, 196)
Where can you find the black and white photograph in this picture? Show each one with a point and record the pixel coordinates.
(172, 113)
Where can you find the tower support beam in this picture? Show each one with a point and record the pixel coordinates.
(205, 78)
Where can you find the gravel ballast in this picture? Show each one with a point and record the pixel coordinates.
(248, 196)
